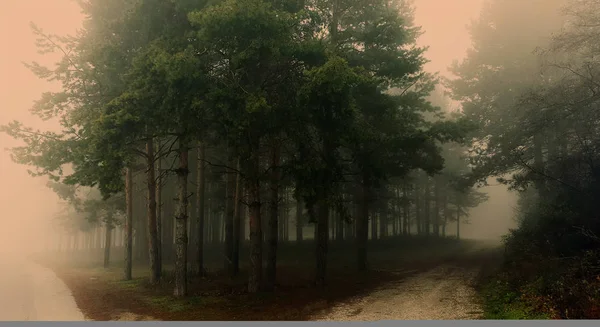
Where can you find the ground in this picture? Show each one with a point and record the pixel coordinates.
(432, 283)
(30, 292)
(446, 292)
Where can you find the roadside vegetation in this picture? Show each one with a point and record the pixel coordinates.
(533, 90)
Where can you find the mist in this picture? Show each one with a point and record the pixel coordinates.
(445, 35)
(270, 147)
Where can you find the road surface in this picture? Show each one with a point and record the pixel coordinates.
(30, 292)
(445, 292)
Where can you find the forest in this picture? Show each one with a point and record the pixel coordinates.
(231, 148)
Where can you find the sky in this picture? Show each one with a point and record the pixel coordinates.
(26, 204)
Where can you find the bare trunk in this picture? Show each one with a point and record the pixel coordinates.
(362, 225)
(299, 219)
(426, 208)
(200, 188)
(229, 213)
(237, 223)
(374, 226)
(255, 222)
(383, 219)
(271, 271)
(107, 242)
(181, 234)
(159, 215)
(538, 163)
(445, 211)
(458, 222)
(436, 216)
(322, 242)
(418, 208)
(396, 212)
(339, 236)
(285, 216)
(128, 224)
(406, 212)
(152, 227)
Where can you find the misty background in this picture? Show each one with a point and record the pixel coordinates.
(27, 205)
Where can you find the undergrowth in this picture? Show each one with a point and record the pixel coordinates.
(551, 269)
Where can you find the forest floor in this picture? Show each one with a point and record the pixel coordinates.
(406, 281)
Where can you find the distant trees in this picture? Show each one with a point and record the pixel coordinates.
(538, 117)
(247, 102)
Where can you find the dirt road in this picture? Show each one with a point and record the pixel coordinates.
(445, 292)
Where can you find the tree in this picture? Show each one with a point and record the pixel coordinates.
(510, 138)
(248, 43)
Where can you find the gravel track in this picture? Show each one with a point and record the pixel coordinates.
(445, 292)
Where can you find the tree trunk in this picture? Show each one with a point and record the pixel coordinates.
(406, 212)
(445, 211)
(107, 242)
(200, 188)
(299, 219)
(237, 223)
(322, 242)
(396, 212)
(339, 237)
(209, 209)
(229, 213)
(426, 207)
(159, 213)
(168, 222)
(538, 165)
(383, 219)
(362, 225)
(255, 222)
(181, 234)
(271, 270)
(285, 216)
(418, 208)
(458, 222)
(152, 225)
(436, 216)
(127, 273)
(374, 225)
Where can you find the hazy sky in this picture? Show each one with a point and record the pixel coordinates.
(26, 200)
(444, 23)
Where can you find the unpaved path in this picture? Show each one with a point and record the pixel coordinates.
(30, 292)
(445, 292)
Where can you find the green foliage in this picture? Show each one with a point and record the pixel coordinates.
(337, 86)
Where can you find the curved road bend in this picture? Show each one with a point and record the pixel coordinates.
(30, 292)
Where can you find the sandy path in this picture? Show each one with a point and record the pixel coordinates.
(30, 292)
(443, 293)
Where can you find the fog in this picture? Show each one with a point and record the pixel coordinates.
(318, 152)
(28, 205)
